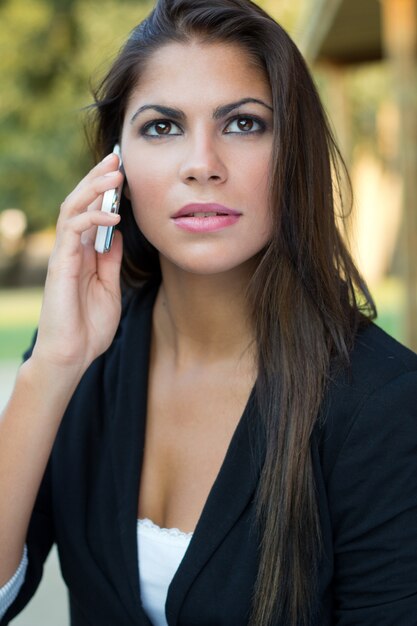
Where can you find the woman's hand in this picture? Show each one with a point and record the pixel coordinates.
(79, 317)
(82, 302)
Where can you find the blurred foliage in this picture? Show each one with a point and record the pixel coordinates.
(50, 52)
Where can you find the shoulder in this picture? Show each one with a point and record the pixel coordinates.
(377, 391)
(368, 462)
(377, 357)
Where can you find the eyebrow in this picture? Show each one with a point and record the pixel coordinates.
(180, 116)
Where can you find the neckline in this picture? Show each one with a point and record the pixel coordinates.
(232, 490)
(145, 522)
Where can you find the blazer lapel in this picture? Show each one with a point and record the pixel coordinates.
(128, 436)
(233, 488)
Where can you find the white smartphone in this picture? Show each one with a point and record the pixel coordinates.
(110, 204)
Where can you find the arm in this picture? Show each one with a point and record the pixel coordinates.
(80, 312)
(27, 431)
(373, 501)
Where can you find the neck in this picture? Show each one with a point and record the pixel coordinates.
(203, 318)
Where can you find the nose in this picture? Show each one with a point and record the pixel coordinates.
(202, 161)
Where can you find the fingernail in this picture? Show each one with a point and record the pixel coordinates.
(110, 174)
(107, 158)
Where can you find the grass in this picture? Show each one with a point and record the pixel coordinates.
(14, 341)
(20, 308)
(19, 314)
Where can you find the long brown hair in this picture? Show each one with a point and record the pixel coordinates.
(306, 296)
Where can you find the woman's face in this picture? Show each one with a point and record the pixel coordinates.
(196, 149)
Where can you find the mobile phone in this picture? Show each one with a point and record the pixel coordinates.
(110, 204)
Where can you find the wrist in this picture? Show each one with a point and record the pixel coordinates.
(66, 365)
(58, 378)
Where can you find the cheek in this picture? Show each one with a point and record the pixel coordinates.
(147, 186)
(148, 197)
(256, 187)
(255, 184)
(253, 167)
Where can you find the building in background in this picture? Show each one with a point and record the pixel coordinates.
(338, 36)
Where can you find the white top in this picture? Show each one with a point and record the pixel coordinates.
(160, 551)
(10, 590)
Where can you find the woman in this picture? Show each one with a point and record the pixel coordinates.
(275, 480)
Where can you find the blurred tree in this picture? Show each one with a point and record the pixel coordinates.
(50, 51)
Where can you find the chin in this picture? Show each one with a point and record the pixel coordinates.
(209, 266)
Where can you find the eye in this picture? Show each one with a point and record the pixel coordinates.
(160, 128)
(245, 124)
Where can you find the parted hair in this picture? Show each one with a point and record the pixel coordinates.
(306, 297)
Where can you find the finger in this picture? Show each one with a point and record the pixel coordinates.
(108, 265)
(109, 164)
(88, 237)
(96, 204)
(87, 193)
(69, 237)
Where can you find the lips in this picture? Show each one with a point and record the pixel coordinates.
(205, 218)
(205, 210)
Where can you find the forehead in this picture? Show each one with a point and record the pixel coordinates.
(201, 72)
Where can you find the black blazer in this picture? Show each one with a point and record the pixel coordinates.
(365, 466)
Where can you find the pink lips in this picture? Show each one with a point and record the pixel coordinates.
(221, 217)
